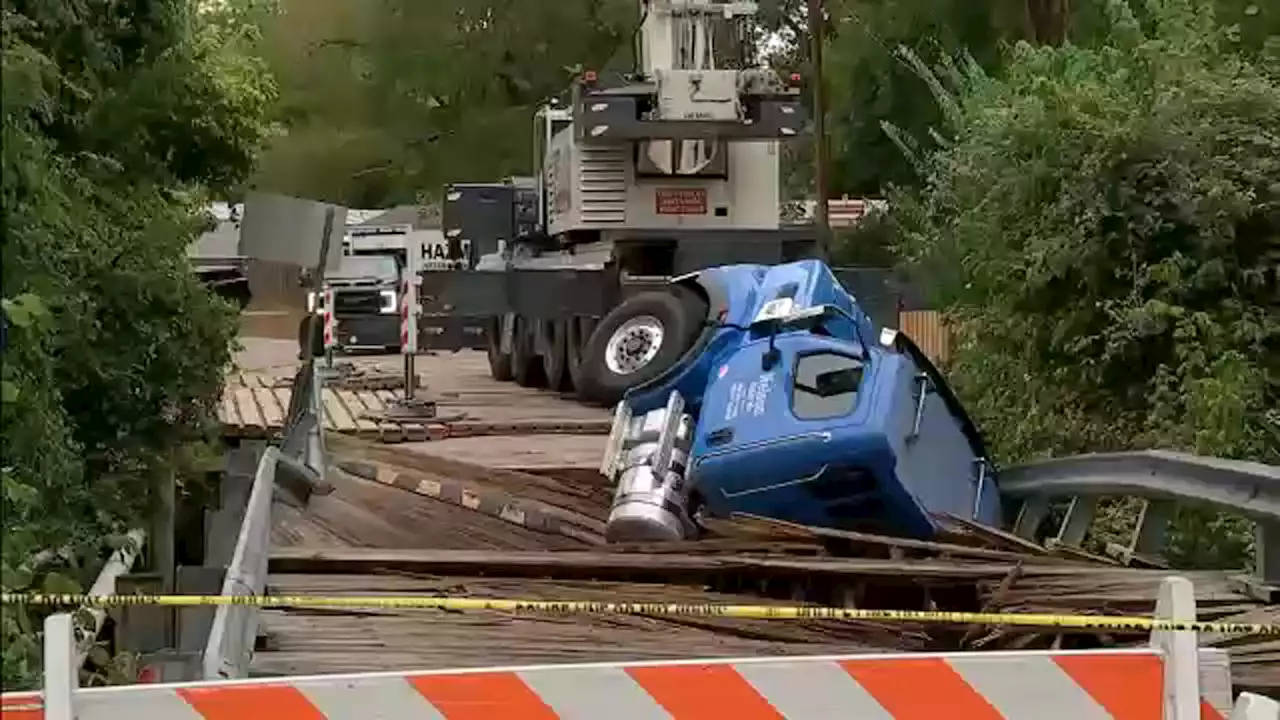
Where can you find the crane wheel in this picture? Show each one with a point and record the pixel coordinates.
(578, 332)
(499, 362)
(639, 340)
(555, 360)
(526, 366)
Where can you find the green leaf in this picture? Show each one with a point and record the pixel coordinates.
(8, 391)
(99, 656)
(24, 310)
(15, 579)
(59, 584)
(20, 494)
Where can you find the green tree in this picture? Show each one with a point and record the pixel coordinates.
(118, 119)
(870, 85)
(1103, 227)
(388, 101)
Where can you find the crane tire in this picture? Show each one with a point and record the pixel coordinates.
(578, 332)
(499, 361)
(526, 366)
(555, 360)
(638, 341)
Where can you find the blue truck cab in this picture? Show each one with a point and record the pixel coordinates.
(796, 407)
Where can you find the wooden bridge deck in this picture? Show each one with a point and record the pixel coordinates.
(470, 404)
(259, 412)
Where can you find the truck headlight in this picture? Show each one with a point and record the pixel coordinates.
(389, 304)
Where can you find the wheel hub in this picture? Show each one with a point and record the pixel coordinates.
(634, 345)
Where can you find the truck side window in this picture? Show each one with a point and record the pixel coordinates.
(826, 386)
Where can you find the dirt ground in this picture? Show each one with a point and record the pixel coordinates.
(277, 322)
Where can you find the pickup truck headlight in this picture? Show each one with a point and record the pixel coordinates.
(389, 304)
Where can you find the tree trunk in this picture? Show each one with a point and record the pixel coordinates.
(1048, 21)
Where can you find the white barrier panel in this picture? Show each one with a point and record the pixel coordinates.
(1065, 685)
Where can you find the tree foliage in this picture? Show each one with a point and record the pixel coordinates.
(1103, 226)
(118, 118)
(391, 99)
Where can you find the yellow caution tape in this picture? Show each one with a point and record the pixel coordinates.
(756, 612)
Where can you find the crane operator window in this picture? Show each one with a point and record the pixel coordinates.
(825, 386)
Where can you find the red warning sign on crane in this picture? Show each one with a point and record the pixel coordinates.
(681, 201)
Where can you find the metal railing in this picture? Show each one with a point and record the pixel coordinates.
(296, 467)
(120, 563)
(235, 627)
(1161, 479)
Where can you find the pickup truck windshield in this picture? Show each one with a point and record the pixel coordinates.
(360, 267)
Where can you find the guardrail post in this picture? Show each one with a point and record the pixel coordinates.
(1267, 552)
(1177, 602)
(1033, 511)
(1148, 536)
(61, 671)
(1079, 518)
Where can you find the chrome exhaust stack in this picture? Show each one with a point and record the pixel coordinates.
(647, 456)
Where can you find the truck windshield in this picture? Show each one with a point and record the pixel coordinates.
(361, 267)
(826, 385)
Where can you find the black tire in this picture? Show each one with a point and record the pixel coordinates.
(578, 332)
(555, 361)
(499, 362)
(526, 366)
(682, 314)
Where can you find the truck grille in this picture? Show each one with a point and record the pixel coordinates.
(357, 302)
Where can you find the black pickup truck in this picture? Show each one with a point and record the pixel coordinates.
(366, 306)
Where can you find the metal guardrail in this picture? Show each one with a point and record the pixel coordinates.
(296, 468)
(1249, 488)
(231, 637)
(1162, 479)
(120, 562)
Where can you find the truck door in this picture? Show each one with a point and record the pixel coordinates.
(765, 430)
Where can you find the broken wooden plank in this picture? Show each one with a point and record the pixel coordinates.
(673, 567)
(250, 417)
(531, 515)
(997, 536)
(867, 540)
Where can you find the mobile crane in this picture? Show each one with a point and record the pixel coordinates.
(639, 179)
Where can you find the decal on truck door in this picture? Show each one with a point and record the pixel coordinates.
(751, 398)
(758, 394)
(734, 405)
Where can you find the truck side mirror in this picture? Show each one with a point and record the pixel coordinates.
(771, 358)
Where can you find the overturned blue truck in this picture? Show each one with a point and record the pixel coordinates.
(787, 402)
